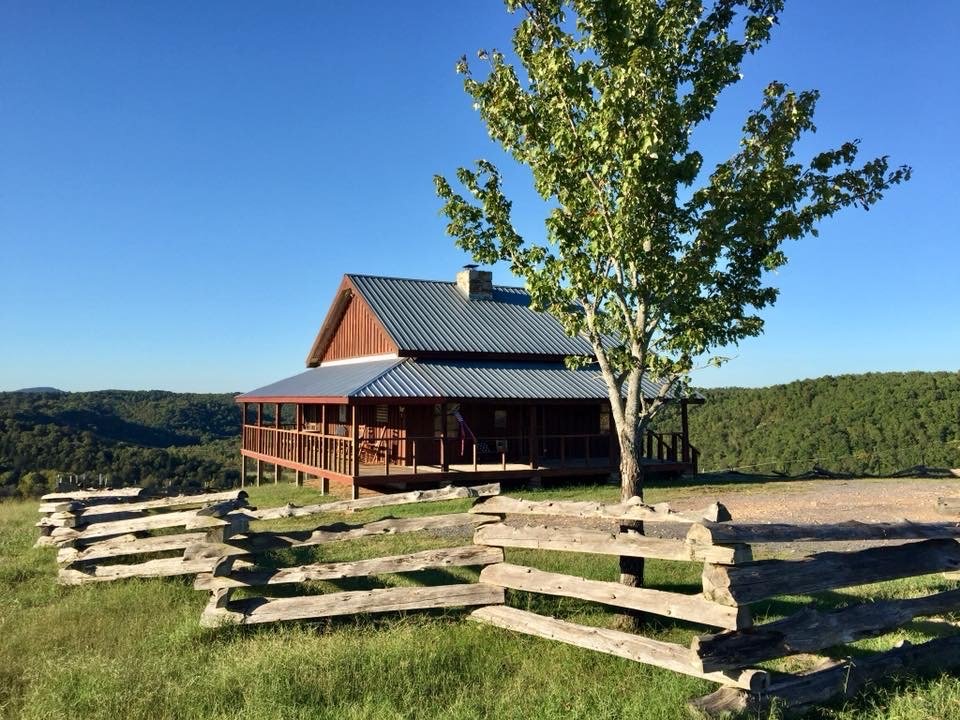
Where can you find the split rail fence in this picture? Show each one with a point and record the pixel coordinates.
(98, 533)
(735, 652)
(227, 574)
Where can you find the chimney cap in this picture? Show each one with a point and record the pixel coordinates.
(470, 267)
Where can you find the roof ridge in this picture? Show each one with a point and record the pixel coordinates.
(422, 280)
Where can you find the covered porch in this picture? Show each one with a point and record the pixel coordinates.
(387, 444)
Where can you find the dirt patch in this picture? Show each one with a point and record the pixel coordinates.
(829, 501)
(800, 502)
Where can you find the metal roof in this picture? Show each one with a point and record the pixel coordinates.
(330, 381)
(457, 379)
(434, 316)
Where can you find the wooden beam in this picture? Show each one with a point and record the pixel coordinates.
(633, 509)
(614, 642)
(129, 545)
(707, 533)
(745, 584)
(583, 540)
(844, 679)
(263, 541)
(397, 599)
(161, 567)
(466, 556)
(810, 630)
(415, 496)
(93, 496)
(693, 608)
(354, 448)
(190, 519)
(685, 432)
(177, 501)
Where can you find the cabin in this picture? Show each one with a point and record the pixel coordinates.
(421, 382)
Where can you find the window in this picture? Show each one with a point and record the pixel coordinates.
(604, 419)
(383, 414)
(342, 413)
(451, 424)
(499, 419)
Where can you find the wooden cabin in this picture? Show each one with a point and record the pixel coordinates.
(411, 382)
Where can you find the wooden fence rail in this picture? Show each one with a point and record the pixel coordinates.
(222, 552)
(92, 536)
(226, 574)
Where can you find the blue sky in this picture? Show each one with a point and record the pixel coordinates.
(183, 184)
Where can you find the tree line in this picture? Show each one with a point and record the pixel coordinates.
(872, 423)
(148, 438)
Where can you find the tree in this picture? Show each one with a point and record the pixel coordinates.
(653, 260)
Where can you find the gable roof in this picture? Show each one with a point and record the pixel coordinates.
(438, 379)
(433, 318)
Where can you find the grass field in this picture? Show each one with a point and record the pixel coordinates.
(134, 649)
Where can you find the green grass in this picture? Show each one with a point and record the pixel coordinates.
(134, 649)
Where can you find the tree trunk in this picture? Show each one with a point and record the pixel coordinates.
(631, 485)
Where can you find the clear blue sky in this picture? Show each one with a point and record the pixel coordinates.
(183, 184)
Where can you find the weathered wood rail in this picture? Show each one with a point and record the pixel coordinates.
(225, 555)
(909, 549)
(230, 569)
(92, 531)
(731, 582)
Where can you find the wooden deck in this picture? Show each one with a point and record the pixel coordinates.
(392, 463)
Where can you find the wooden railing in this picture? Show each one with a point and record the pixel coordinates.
(336, 452)
(329, 452)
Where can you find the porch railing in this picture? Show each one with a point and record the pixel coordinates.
(336, 452)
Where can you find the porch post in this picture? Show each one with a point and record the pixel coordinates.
(298, 444)
(443, 438)
(259, 447)
(684, 430)
(533, 437)
(355, 444)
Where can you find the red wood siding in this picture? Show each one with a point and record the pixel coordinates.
(358, 333)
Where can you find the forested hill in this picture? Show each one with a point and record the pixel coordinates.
(873, 423)
(132, 436)
(870, 423)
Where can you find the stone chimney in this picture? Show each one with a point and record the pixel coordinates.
(475, 284)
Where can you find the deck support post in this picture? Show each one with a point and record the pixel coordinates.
(533, 437)
(324, 485)
(354, 491)
(276, 473)
(243, 471)
(300, 478)
(259, 471)
(685, 432)
(444, 467)
(354, 442)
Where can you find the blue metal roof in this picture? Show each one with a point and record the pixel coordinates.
(329, 381)
(456, 379)
(434, 316)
